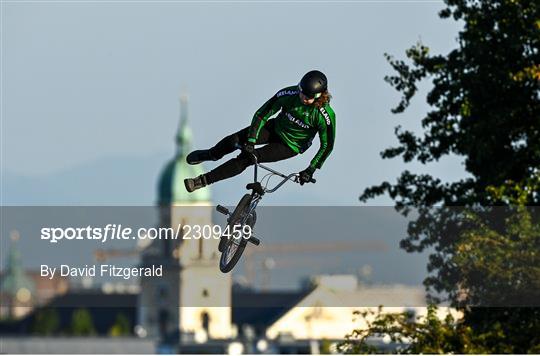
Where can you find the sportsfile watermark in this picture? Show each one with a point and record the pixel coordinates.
(347, 256)
(120, 232)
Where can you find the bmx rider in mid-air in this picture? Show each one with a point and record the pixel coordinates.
(304, 111)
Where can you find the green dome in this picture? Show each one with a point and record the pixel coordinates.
(171, 189)
(14, 277)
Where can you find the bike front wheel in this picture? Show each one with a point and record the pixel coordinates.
(233, 247)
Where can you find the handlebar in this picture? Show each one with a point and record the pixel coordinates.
(295, 176)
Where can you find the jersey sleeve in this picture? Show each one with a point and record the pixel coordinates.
(272, 106)
(327, 135)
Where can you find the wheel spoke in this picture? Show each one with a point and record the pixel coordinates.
(231, 250)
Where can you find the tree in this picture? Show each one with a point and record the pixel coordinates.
(406, 334)
(485, 107)
(500, 271)
(501, 268)
(46, 322)
(81, 323)
(121, 326)
(411, 335)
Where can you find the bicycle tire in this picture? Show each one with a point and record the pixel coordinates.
(237, 215)
(252, 219)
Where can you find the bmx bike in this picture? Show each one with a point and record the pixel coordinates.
(242, 220)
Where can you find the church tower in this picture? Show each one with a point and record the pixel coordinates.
(17, 291)
(192, 296)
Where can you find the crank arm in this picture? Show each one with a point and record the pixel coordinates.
(223, 210)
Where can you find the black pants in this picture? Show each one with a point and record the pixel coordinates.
(274, 150)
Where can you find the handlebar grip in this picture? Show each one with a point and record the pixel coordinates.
(297, 179)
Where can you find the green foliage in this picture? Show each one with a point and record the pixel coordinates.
(506, 330)
(81, 323)
(46, 322)
(485, 99)
(500, 267)
(327, 347)
(485, 107)
(484, 331)
(407, 334)
(121, 326)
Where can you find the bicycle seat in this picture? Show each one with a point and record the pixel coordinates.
(257, 187)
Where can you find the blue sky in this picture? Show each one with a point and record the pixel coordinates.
(90, 91)
(90, 98)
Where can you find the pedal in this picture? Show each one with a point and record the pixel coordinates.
(223, 210)
(254, 240)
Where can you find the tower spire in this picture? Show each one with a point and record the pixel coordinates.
(183, 136)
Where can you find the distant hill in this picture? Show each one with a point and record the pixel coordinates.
(124, 180)
(121, 180)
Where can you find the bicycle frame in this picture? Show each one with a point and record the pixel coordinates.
(256, 196)
(285, 178)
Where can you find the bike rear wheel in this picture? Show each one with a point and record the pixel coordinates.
(232, 248)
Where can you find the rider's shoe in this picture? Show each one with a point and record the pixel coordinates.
(192, 184)
(199, 156)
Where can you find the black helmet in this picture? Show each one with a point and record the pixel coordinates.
(313, 84)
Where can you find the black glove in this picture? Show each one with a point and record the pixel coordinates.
(249, 148)
(248, 151)
(306, 175)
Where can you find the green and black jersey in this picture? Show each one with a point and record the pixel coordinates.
(297, 124)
